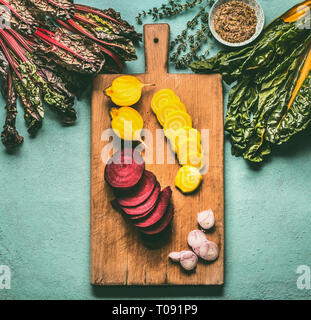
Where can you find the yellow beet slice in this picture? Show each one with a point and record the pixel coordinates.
(166, 108)
(187, 145)
(162, 97)
(170, 135)
(177, 120)
(175, 137)
(125, 90)
(127, 123)
(194, 159)
(187, 133)
(188, 179)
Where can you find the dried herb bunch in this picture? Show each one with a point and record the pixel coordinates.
(51, 50)
(189, 44)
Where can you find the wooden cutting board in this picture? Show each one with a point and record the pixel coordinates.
(118, 256)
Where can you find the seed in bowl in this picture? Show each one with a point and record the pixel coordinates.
(235, 21)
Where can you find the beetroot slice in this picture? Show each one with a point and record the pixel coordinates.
(162, 224)
(159, 211)
(146, 207)
(140, 193)
(141, 210)
(124, 169)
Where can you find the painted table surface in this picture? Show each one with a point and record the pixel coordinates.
(45, 208)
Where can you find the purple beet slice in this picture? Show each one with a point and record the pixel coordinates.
(146, 207)
(140, 193)
(143, 209)
(124, 169)
(162, 224)
(159, 210)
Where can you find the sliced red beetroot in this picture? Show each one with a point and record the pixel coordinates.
(146, 207)
(124, 169)
(162, 224)
(159, 211)
(140, 193)
(143, 209)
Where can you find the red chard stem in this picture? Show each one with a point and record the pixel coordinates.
(52, 41)
(88, 9)
(12, 43)
(22, 40)
(66, 25)
(85, 20)
(88, 34)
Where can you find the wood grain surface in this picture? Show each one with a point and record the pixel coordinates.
(118, 255)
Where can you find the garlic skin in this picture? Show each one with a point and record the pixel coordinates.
(206, 219)
(175, 256)
(188, 260)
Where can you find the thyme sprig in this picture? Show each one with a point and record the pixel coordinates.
(172, 8)
(186, 47)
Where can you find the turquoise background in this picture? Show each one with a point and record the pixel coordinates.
(45, 208)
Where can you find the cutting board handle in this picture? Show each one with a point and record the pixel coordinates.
(156, 47)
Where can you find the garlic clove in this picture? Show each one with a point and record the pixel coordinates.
(188, 260)
(175, 256)
(208, 251)
(206, 219)
(195, 238)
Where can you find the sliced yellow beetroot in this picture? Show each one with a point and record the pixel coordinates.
(159, 210)
(140, 193)
(124, 169)
(146, 207)
(162, 224)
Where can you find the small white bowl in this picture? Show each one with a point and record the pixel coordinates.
(260, 22)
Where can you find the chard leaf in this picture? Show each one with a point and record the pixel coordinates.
(54, 93)
(9, 136)
(298, 117)
(22, 18)
(110, 20)
(31, 115)
(60, 9)
(74, 82)
(71, 51)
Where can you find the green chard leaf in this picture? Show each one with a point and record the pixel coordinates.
(31, 115)
(54, 93)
